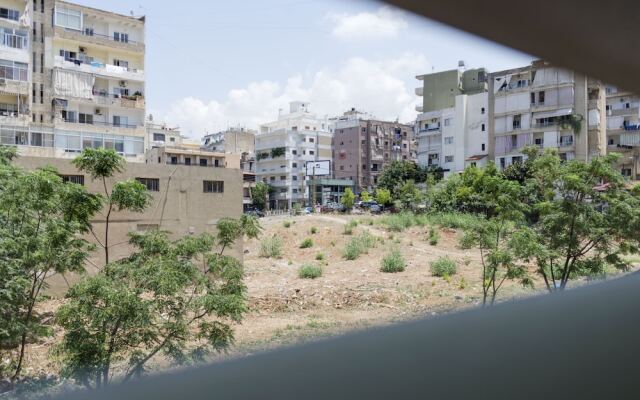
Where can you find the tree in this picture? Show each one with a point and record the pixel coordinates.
(41, 220)
(396, 174)
(169, 298)
(260, 195)
(589, 221)
(129, 195)
(409, 195)
(495, 235)
(383, 196)
(365, 196)
(348, 199)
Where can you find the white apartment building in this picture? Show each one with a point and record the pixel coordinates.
(85, 79)
(623, 129)
(452, 132)
(160, 135)
(283, 147)
(545, 106)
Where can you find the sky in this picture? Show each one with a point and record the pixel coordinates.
(213, 64)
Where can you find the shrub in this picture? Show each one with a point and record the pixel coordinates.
(286, 224)
(333, 243)
(454, 220)
(306, 244)
(434, 237)
(404, 220)
(359, 245)
(314, 230)
(463, 283)
(443, 267)
(271, 247)
(347, 230)
(309, 271)
(393, 262)
(320, 257)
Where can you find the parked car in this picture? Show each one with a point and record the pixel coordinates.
(307, 210)
(375, 209)
(255, 213)
(368, 204)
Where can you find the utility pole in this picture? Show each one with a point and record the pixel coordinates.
(313, 187)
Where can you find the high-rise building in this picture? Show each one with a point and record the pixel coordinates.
(545, 106)
(284, 147)
(83, 79)
(452, 129)
(623, 129)
(364, 145)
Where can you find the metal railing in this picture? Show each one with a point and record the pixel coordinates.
(91, 33)
(99, 123)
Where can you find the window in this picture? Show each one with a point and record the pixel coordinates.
(311, 140)
(120, 121)
(77, 179)
(42, 6)
(120, 63)
(283, 177)
(121, 37)
(517, 119)
(13, 15)
(294, 165)
(541, 97)
(158, 137)
(172, 139)
(213, 186)
(42, 63)
(294, 190)
(447, 122)
(448, 159)
(88, 31)
(187, 161)
(13, 70)
(67, 18)
(13, 38)
(533, 98)
(272, 179)
(311, 152)
(294, 152)
(203, 162)
(294, 177)
(342, 168)
(514, 140)
(482, 110)
(174, 160)
(483, 147)
(152, 184)
(85, 118)
(539, 142)
(69, 116)
(502, 162)
(483, 127)
(448, 140)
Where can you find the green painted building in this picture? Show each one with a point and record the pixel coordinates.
(439, 89)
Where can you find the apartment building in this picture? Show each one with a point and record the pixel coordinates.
(84, 77)
(545, 106)
(160, 135)
(623, 129)
(452, 129)
(283, 147)
(364, 145)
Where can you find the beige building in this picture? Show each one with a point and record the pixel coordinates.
(545, 106)
(186, 200)
(83, 78)
(623, 129)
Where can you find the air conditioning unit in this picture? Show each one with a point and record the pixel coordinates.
(98, 111)
(123, 83)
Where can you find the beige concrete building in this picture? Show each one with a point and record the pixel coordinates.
(186, 200)
(623, 129)
(545, 106)
(84, 79)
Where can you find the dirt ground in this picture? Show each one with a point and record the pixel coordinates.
(350, 295)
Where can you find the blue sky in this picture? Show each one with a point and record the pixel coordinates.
(214, 63)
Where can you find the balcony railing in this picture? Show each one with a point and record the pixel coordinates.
(91, 66)
(105, 98)
(91, 33)
(99, 123)
(195, 164)
(14, 41)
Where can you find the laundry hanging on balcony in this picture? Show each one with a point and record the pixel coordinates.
(73, 84)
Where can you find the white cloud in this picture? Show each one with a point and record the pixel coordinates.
(384, 23)
(381, 87)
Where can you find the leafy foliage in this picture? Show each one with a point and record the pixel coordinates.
(393, 262)
(175, 299)
(443, 266)
(271, 247)
(309, 271)
(306, 243)
(383, 196)
(365, 196)
(260, 195)
(359, 245)
(348, 199)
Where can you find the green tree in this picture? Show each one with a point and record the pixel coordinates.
(175, 299)
(383, 196)
(365, 196)
(398, 173)
(409, 195)
(348, 199)
(260, 195)
(589, 221)
(41, 221)
(129, 195)
(495, 235)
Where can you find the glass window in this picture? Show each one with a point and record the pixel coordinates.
(67, 18)
(152, 184)
(213, 186)
(6, 13)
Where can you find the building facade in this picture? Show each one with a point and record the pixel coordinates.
(623, 130)
(283, 148)
(545, 106)
(83, 78)
(452, 130)
(363, 146)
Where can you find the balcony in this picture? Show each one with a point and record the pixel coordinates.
(419, 91)
(99, 127)
(9, 116)
(97, 68)
(103, 98)
(89, 35)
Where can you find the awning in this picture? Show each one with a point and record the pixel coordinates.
(556, 113)
(476, 157)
